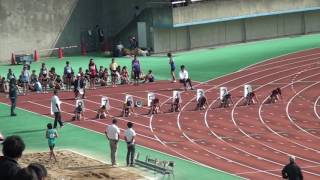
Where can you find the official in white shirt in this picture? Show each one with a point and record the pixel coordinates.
(184, 77)
(113, 135)
(130, 137)
(55, 108)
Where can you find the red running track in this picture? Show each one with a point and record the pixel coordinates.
(249, 141)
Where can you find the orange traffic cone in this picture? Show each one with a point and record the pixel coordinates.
(83, 49)
(36, 56)
(13, 59)
(60, 53)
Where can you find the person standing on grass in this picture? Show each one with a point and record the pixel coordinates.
(136, 70)
(113, 135)
(113, 68)
(93, 73)
(13, 95)
(51, 135)
(129, 136)
(12, 149)
(55, 107)
(25, 79)
(184, 77)
(68, 72)
(172, 67)
(292, 171)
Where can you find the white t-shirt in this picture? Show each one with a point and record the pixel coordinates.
(129, 134)
(113, 132)
(184, 74)
(55, 101)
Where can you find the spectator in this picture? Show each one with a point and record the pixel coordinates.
(292, 171)
(79, 87)
(51, 135)
(55, 107)
(43, 76)
(33, 80)
(52, 77)
(129, 137)
(58, 83)
(184, 77)
(13, 95)
(25, 74)
(68, 73)
(136, 70)
(3, 85)
(113, 68)
(93, 73)
(26, 174)
(124, 75)
(10, 75)
(39, 169)
(12, 149)
(149, 77)
(113, 133)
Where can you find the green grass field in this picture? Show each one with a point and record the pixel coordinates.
(202, 64)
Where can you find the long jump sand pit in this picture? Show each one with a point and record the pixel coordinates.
(72, 166)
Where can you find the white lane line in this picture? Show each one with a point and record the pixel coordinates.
(288, 114)
(208, 108)
(87, 119)
(315, 107)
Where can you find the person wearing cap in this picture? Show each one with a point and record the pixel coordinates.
(113, 135)
(292, 171)
(79, 85)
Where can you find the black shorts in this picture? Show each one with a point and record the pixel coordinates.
(51, 147)
(68, 75)
(136, 74)
(114, 73)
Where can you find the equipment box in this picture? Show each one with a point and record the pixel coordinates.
(21, 58)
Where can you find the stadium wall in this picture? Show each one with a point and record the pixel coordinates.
(43, 24)
(234, 31)
(213, 10)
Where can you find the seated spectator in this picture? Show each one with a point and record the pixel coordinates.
(103, 76)
(58, 83)
(127, 108)
(81, 71)
(149, 77)
(102, 112)
(39, 169)
(52, 77)
(202, 103)
(78, 112)
(4, 86)
(124, 75)
(118, 74)
(37, 86)
(33, 80)
(12, 149)
(155, 106)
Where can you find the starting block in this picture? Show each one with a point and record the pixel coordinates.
(105, 102)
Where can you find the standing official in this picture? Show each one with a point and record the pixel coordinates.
(113, 135)
(130, 137)
(55, 107)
